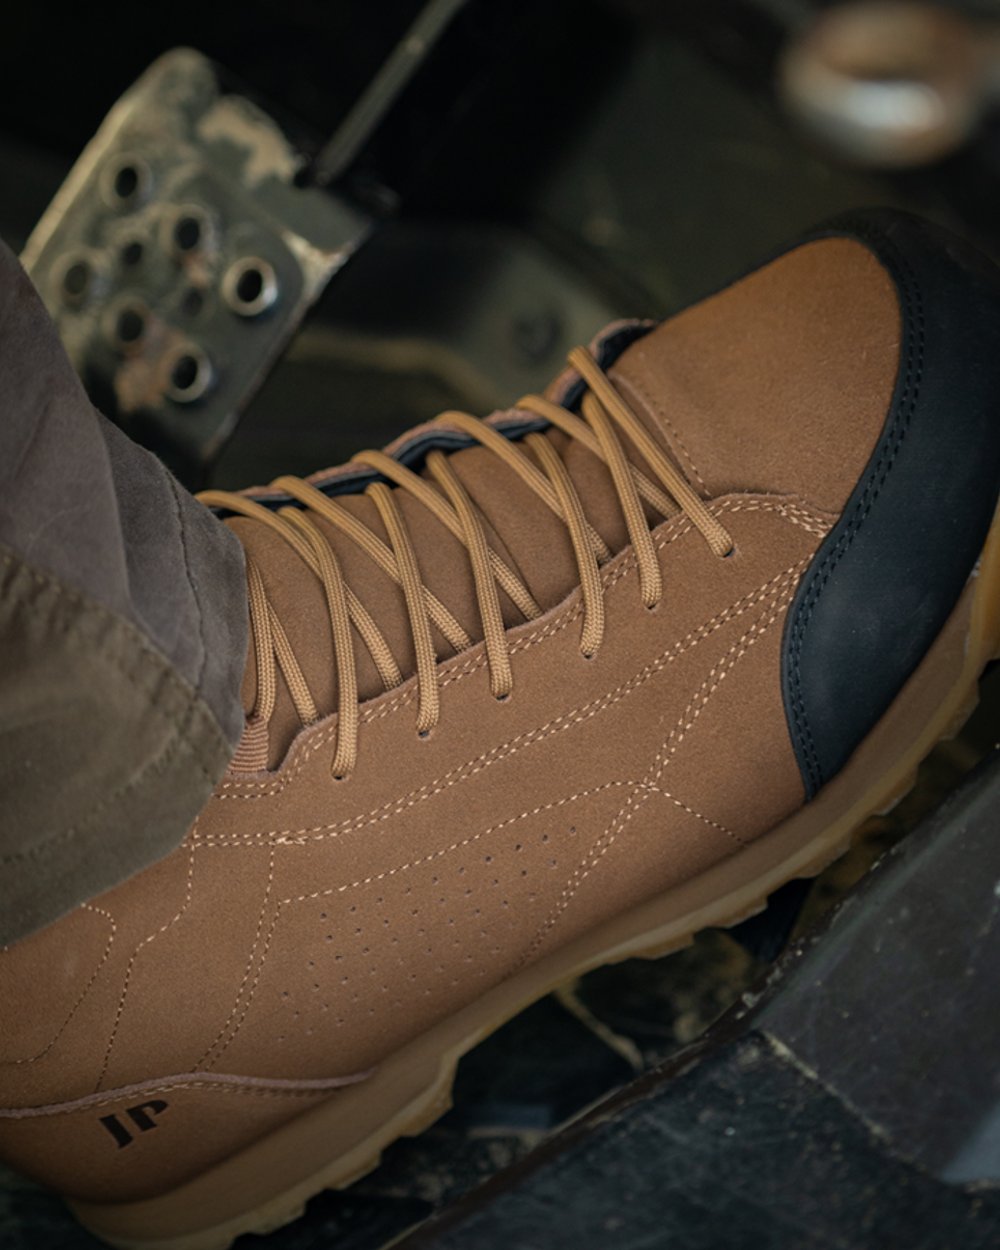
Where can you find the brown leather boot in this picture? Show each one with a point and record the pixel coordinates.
(526, 696)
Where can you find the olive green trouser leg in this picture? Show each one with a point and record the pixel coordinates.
(123, 635)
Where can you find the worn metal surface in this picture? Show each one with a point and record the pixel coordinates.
(180, 255)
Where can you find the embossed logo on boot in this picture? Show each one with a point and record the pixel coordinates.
(143, 1119)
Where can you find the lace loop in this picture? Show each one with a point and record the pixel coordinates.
(328, 567)
(402, 476)
(417, 603)
(590, 572)
(494, 634)
(712, 530)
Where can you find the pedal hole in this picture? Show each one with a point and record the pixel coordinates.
(126, 182)
(132, 253)
(77, 281)
(250, 286)
(188, 231)
(190, 374)
(129, 324)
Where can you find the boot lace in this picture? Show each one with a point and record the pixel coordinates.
(536, 462)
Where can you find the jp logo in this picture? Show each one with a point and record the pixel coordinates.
(143, 1118)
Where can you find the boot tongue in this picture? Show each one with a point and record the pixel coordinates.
(533, 541)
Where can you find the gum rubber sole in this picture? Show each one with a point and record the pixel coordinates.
(341, 1139)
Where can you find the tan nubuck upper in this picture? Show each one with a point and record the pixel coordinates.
(495, 701)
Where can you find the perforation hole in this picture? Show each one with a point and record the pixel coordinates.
(190, 374)
(78, 282)
(125, 183)
(132, 253)
(129, 325)
(250, 286)
(189, 232)
(191, 305)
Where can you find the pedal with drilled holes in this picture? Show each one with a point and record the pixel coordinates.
(180, 255)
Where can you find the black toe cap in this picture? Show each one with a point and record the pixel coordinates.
(890, 572)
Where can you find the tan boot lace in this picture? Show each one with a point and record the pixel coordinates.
(604, 413)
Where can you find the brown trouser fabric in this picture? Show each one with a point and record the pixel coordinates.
(123, 636)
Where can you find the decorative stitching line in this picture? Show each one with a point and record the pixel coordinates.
(220, 1045)
(502, 751)
(876, 478)
(232, 1027)
(382, 876)
(189, 884)
(460, 667)
(663, 757)
(218, 1084)
(83, 994)
(218, 1042)
(483, 833)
